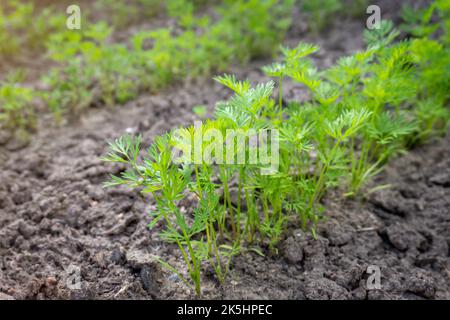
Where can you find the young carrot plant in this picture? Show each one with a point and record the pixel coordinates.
(320, 12)
(16, 107)
(159, 175)
(97, 71)
(362, 112)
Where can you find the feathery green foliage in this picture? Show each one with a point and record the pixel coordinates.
(362, 112)
(15, 33)
(320, 12)
(16, 109)
(116, 73)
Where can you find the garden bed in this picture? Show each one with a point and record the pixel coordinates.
(55, 214)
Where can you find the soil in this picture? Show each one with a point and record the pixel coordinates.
(55, 216)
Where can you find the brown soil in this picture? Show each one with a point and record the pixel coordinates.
(54, 213)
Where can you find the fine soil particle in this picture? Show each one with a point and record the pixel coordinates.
(57, 222)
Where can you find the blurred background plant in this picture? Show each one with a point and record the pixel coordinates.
(363, 111)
